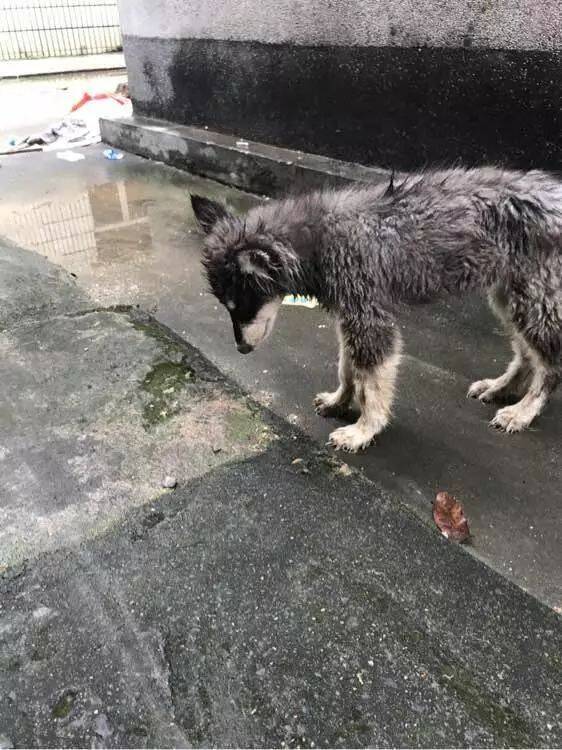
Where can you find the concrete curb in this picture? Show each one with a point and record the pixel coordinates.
(254, 167)
(62, 65)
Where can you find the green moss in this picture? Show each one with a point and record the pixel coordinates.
(509, 729)
(16, 569)
(137, 730)
(155, 331)
(6, 416)
(42, 646)
(164, 382)
(162, 386)
(10, 664)
(64, 705)
(245, 425)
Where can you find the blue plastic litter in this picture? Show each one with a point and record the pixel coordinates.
(113, 155)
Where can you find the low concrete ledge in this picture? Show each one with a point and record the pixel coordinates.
(254, 167)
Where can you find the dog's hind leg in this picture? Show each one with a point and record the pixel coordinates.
(515, 380)
(374, 387)
(335, 403)
(538, 316)
(517, 417)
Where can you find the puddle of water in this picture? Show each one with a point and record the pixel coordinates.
(126, 240)
(107, 223)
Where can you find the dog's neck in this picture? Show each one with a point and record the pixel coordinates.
(301, 282)
(305, 281)
(297, 235)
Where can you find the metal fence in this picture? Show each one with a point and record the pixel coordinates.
(58, 28)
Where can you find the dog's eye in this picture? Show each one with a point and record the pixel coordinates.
(230, 304)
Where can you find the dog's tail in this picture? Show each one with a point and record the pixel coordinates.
(522, 225)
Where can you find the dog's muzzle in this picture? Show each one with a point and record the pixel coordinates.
(245, 348)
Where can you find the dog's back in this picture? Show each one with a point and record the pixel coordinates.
(478, 228)
(448, 230)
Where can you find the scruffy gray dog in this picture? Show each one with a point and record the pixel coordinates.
(361, 251)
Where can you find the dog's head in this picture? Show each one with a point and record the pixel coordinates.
(248, 270)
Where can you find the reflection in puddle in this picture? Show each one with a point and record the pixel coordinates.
(129, 241)
(105, 224)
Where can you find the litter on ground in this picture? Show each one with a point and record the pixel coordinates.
(113, 155)
(70, 156)
(80, 127)
(449, 517)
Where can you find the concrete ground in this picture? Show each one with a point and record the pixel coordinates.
(273, 598)
(126, 230)
(114, 61)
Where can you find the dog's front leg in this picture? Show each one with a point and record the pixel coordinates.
(375, 364)
(333, 404)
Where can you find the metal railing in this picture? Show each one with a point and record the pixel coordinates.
(58, 28)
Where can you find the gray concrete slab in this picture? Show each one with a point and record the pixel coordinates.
(95, 412)
(253, 167)
(269, 599)
(262, 606)
(133, 241)
(31, 285)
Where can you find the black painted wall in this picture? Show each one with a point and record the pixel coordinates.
(392, 107)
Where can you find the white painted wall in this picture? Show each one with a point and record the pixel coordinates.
(495, 24)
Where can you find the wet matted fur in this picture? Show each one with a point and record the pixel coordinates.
(364, 250)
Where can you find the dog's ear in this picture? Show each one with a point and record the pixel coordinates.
(275, 265)
(207, 212)
(256, 263)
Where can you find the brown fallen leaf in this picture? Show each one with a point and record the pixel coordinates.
(449, 516)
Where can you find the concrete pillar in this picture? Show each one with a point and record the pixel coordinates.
(393, 83)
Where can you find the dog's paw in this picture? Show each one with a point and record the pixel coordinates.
(511, 419)
(482, 390)
(350, 439)
(329, 405)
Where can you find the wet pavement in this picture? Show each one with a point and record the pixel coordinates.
(126, 231)
(181, 568)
